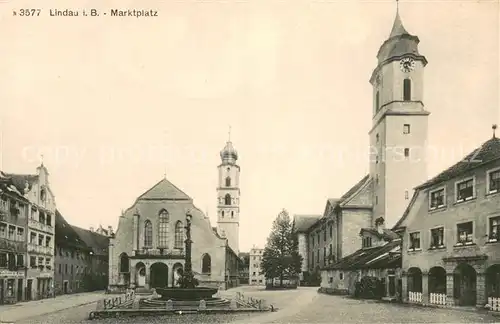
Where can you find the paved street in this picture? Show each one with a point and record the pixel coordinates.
(303, 305)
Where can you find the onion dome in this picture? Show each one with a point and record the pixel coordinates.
(229, 154)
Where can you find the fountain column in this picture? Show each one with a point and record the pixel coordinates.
(135, 233)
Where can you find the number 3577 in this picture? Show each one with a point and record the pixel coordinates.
(29, 12)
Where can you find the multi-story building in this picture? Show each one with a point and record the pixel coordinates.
(40, 234)
(98, 261)
(256, 276)
(13, 220)
(302, 225)
(451, 243)
(72, 259)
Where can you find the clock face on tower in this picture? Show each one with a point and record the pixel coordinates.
(407, 64)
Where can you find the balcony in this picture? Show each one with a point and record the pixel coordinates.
(39, 249)
(158, 253)
(40, 226)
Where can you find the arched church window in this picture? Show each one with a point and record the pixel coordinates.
(206, 264)
(228, 182)
(124, 263)
(148, 234)
(227, 199)
(163, 228)
(377, 101)
(407, 90)
(179, 235)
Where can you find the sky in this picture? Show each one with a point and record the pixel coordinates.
(115, 103)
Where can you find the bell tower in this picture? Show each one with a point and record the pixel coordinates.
(228, 196)
(398, 138)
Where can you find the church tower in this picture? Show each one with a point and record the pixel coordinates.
(398, 138)
(228, 195)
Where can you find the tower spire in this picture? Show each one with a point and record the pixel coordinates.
(494, 127)
(229, 134)
(397, 28)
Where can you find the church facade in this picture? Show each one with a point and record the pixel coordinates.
(148, 249)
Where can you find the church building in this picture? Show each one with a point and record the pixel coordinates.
(148, 249)
(359, 223)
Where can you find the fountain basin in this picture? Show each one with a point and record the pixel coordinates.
(197, 293)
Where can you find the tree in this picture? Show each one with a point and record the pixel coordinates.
(281, 257)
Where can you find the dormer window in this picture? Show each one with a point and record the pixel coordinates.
(367, 242)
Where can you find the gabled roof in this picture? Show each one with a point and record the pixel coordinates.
(7, 186)
(97, 242)
(20, 180)
(359, 259)
(65, 235)
(354, 189)
(386, 234)
(487, 152)
(304, 222)
(164, 190)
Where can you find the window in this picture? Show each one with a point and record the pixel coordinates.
(437, 237)
(494, 235)
(41, 217)
(163, 229)
(331, 230)
(3, 260)
(465, 190)
(148, 234)
(40, 239)
(415, 241)
(232, 214)
(464, 233)
(493, 181)
(12, 229)
(407, 90)
(331, 251)
(376, 200)
(124, 263)
(312, 239)
(49, 220)
(377, 101)
(20, 260)
(406, 129)
(33, 262)
(206, 264)
(222, 214)
(341, 276)
(376, 178)
(376, 158)
(20, 233)
(3, 229)
(179, 235)
(317, 256)
(437, 198)
(324, 255)
(47, 241)
(377, 138)
(312, 258)
(367, 242)
(227, 199)
(40, 261)
(318, 237)
(407, 152)
(406, 194)
(324, 234)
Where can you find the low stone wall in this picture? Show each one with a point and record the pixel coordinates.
(333, 291)
(122, 301)
(252, 302)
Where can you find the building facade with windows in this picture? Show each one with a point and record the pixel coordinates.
(97, 261)
(451, 244)
(256, 276)
(72, 255)
(14, 209)
(40, 233)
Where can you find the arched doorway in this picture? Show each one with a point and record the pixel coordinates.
(414, 280)
(177, 270)
(159, 275)
(140, 274)
(493, 281)
(437, 280)
(464, 285)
